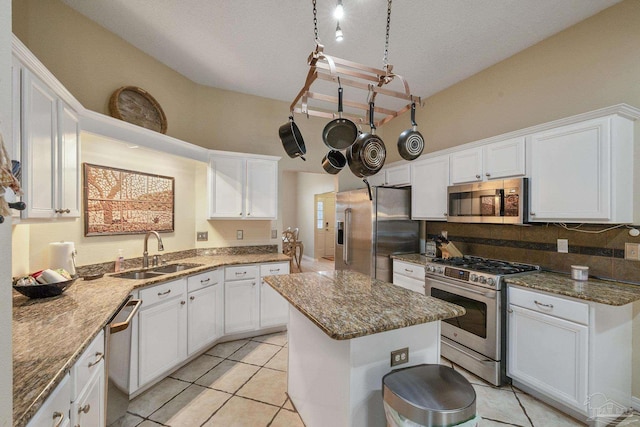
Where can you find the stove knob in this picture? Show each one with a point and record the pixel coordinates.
(473, 277)
(483, 279)
(429, 268)
(440, 270)
(490, 281)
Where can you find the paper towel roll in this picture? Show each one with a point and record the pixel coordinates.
(61, 256)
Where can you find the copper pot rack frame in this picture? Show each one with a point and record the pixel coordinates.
(330, 68)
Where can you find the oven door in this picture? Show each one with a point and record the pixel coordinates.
(479, 328)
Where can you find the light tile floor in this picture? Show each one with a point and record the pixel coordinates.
(243, 383)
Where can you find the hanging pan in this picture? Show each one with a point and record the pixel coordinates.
(292, 139)
(367, 155)
(339, 133)
(411, 142)
(333, 162)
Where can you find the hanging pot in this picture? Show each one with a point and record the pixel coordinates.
(333, 162)
(411, 142)
(367, 155)
(292, 139)
(339, 133)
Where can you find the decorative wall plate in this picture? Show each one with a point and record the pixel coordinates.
(135, 105)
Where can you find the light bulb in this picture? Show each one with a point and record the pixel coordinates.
(339, 12)
(339, 35)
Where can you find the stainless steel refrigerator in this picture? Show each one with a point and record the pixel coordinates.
(368, 231)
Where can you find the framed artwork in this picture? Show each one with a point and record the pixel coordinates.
(119, 201)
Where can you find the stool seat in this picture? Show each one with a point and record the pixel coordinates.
(430, 395)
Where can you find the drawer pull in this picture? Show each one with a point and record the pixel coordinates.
(183, 302)
(274, 270)
(86, 408)
(240, 273)
(408, 271)
(203, 281)
(59, 415)
(168, 291)
(543, 305)
(99, 357)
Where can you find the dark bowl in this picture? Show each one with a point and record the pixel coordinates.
(44, 291)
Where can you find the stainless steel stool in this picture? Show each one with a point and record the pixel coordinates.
(430, 395)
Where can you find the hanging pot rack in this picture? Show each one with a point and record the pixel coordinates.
(374, 80)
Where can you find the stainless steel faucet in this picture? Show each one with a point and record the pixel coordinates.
(145, 254)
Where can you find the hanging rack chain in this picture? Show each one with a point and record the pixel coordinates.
(386, 43)
(315, 22)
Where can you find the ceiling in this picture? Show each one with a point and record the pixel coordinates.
(260, 47)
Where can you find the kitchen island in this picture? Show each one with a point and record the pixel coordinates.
(343, 326)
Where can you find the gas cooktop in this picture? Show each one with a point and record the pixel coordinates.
(480, 271)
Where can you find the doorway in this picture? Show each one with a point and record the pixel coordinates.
(324, 225)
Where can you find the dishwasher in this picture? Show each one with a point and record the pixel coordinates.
(118, 345)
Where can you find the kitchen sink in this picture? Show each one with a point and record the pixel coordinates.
(137, 275)
(158, 271)
(172, 268)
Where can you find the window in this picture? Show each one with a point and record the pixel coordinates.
(320, 214)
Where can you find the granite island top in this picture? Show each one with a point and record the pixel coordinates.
(594, 290)
(346, 304)
(50, 334)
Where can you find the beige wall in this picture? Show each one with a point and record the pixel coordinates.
(6, 365)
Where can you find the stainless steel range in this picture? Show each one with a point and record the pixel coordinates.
(476, 340)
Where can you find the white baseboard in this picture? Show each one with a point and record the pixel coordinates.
(635, 403)
(308, 258)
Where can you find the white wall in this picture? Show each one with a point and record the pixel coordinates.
(6, 365)
(310, 184)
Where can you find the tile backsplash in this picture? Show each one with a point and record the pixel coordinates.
(602, 252)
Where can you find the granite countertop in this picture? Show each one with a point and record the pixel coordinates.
(346, 304)
(594, 290)
(414, 258)
(50, 334)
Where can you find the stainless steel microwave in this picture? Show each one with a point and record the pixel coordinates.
(492, 202)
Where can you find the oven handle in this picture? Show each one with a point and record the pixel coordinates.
(466, 353)
(491, 294)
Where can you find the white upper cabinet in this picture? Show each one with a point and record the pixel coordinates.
(50, 152)
(496, 160)
(396, 176)
(583, 172)
(429, 178)
(243, 187)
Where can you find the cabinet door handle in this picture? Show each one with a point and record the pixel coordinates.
(192, 297)
(509, 310)
(60, 211)
(488, 174)
(543, 305)
(240, 214)
(532, 213)
(253, 284)
(99, 357)
(59, 415)
(445, 214)
(408, 271)
(477, 176)
(248, 213)
(183, 302)
(203, 281)
(168, 291)
(86, 408)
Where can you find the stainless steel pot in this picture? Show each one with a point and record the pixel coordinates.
(333, 162)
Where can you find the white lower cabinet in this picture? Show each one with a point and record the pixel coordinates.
(162, 335)
(55, 410)
(409, 276)
(205, 314)
(274, 309)
(241, 306)
(575, 355)
(89, 408)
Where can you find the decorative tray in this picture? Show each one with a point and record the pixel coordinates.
(44, 290)
(135, 105)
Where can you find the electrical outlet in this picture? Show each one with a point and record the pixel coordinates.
(202, 236)
(632, 251)
(563, 246)
(274, 234)
(398, 357)
(239, 234)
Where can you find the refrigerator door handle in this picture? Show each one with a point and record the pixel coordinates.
(347, 235)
